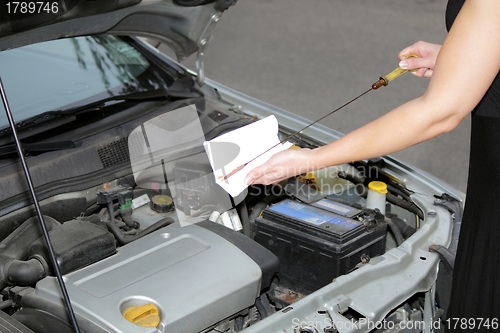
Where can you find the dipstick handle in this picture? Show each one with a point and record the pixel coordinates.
(384, 80)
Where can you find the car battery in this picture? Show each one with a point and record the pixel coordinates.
(317, 242)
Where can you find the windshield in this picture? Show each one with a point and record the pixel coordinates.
(65, 73)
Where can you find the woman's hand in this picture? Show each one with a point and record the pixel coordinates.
(280, 166)
(428, 54)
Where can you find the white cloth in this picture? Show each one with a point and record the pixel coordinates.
(231, 150)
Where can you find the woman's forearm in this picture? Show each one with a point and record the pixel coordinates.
(403, 127)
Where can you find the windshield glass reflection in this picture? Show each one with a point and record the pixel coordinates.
(65, 73)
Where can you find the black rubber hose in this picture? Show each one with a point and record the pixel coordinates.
(409, 206)
(111, 212)
(263, 306)
(126, 215)
(395, 231)
(355, 180)
(398, 191)
(122, 239)
(245, 222)
(25, 273)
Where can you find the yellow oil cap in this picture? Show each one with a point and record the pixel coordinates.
(144, 315)
(379, 187)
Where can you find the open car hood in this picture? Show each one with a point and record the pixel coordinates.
(185, 25)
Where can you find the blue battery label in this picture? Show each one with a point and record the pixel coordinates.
(336, 207)
(313, 215)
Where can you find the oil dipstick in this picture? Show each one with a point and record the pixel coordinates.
(383, 81)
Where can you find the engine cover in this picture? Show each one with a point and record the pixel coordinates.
(195, 277)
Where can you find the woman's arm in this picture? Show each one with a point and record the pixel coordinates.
(467, 63)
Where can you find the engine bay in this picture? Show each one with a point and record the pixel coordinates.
(178, 258)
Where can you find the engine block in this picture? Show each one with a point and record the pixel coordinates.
(187, 272)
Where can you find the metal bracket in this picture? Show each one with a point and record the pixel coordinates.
(430, 311)
(202, 46)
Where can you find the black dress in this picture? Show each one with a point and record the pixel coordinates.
(476, 277)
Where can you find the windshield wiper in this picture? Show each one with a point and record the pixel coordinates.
(135, 96)
(36, 125)
(37, 147)
(53, 119)
(61, 117)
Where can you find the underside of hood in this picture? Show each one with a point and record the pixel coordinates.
(185, 25)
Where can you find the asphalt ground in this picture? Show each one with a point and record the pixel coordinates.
(311, 56)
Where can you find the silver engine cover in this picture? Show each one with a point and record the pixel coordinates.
(195, 277)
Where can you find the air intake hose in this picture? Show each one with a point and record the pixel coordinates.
(15, 248)
(25, 273)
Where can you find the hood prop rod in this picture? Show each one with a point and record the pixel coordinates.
(52, 255)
